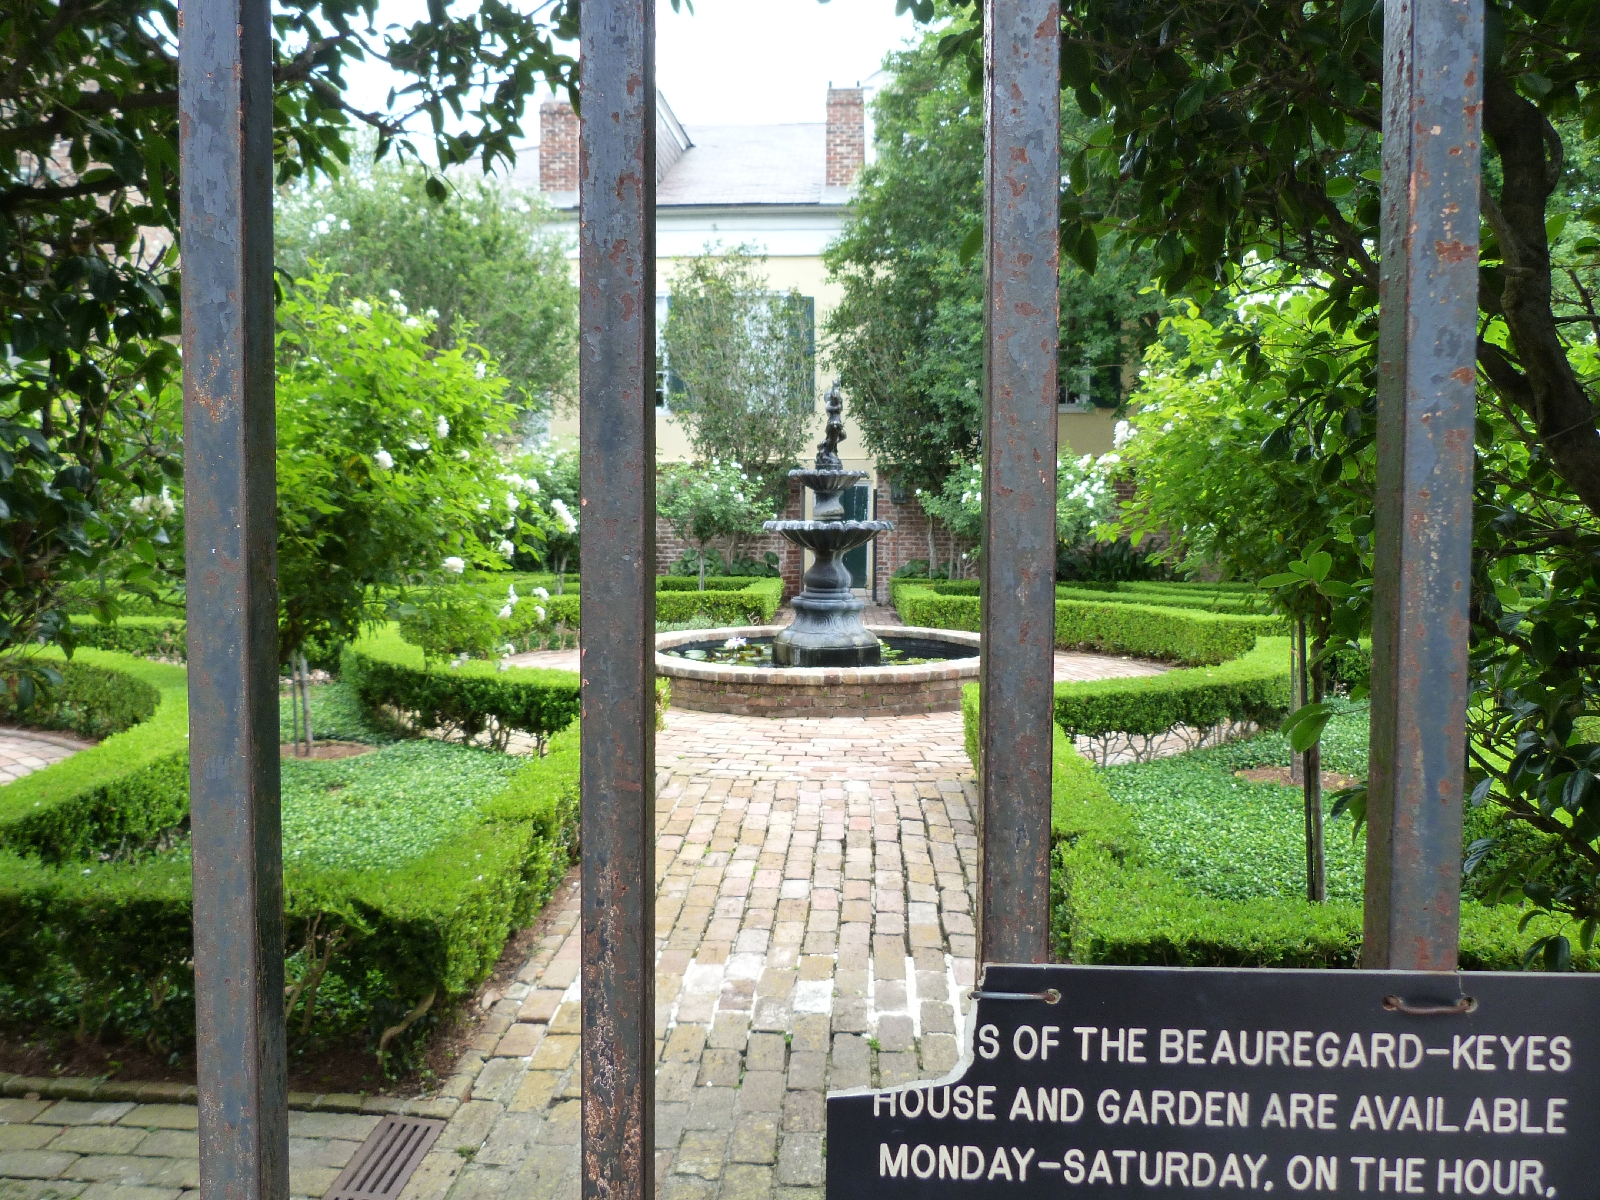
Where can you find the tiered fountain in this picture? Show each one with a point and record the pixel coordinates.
(826, 663)
(827, 629)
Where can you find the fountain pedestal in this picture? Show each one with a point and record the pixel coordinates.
(827, 629)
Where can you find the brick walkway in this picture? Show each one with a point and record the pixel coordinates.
(814, 931)
(24, 751)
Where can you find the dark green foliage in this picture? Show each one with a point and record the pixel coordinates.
(93, 701)
(1253, 687)
(1115, 900)
(106, 944)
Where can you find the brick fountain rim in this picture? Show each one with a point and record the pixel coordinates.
(842, 691)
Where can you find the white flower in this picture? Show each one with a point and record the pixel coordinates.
(442, 427)
(383, 460)
(394, 294)
(412, 323)
(508, 648)
(361, 308)
(505, 613)
(1167, 428)
(512, 502)
(734, 643)
(533, 486)
(1120, 433)
(502, 666)
(541, 593)
(564, 515)
(511, 594)
(1110, 458)
(464, 456)
(480, 370)
(1085, 461)
(418, 446)
(432, 314)
(507, 549)
(455, 565)
(538, 611)
(344, 329)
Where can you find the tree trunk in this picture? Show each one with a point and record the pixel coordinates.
(1537, 376)
(561, 572)
(1297, 694)
(1316, 854)
(931, 550)
(305, 694)
(702, 567)
(294, 706)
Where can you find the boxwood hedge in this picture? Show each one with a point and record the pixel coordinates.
(127, 789)
(1253, 687)
(1146, 630)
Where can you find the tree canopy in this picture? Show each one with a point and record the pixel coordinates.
(907, 336)
(483, 259)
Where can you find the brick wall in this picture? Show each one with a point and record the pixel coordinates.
(558, 147)
(909, 539)
(670, 547)
(847, 136)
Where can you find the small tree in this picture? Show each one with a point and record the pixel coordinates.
(740, 362)
(716, 503)
(386, 466)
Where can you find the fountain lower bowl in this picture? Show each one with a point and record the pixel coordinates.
(886, 691)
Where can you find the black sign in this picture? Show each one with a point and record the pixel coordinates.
(1120, 1081)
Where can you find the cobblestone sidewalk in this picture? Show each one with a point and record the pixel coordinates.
(24, 751)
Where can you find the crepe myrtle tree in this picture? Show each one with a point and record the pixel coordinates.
(386, 462)
(713, 504)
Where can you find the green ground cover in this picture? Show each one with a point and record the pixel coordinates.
(1232, 839)
(385, 809)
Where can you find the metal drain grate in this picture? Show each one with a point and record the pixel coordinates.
(386, 1159)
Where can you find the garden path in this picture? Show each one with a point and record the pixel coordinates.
(814, 931)
(24, 751)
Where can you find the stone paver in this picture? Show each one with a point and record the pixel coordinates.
(24, 751)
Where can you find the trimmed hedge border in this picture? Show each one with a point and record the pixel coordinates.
(1145, 630)
(166, 637)
(432, 927)
(1110, 904)
(381, 668)
(1253, 687)
(129, 787)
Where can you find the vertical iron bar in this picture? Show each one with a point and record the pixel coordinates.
(225, 142)
(617, 454)
(1022, 176)
(1432, 101)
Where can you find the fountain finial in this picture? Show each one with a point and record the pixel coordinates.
(833, 433)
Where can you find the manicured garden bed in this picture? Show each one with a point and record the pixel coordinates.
(406, 869)
(1169, 863)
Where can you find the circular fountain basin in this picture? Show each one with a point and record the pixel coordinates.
(885, 691)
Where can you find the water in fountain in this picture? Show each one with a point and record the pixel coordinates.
(827, 629)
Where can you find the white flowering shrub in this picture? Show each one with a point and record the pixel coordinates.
(716, 504)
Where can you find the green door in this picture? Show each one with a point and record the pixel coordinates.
(856, 502)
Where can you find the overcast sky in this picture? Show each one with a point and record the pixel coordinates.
(732, 62)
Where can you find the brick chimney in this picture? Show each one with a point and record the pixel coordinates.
(847, 136)
(558, 147)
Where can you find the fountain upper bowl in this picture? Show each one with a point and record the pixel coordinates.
(837, 536)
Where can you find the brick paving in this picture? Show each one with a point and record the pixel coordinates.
(24, 751)
(814, 931)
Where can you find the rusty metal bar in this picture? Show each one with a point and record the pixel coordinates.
(617, 456)
(225, 143)
(1022, 175)
(1432, 100)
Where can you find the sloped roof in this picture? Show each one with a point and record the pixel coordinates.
(747, 164)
